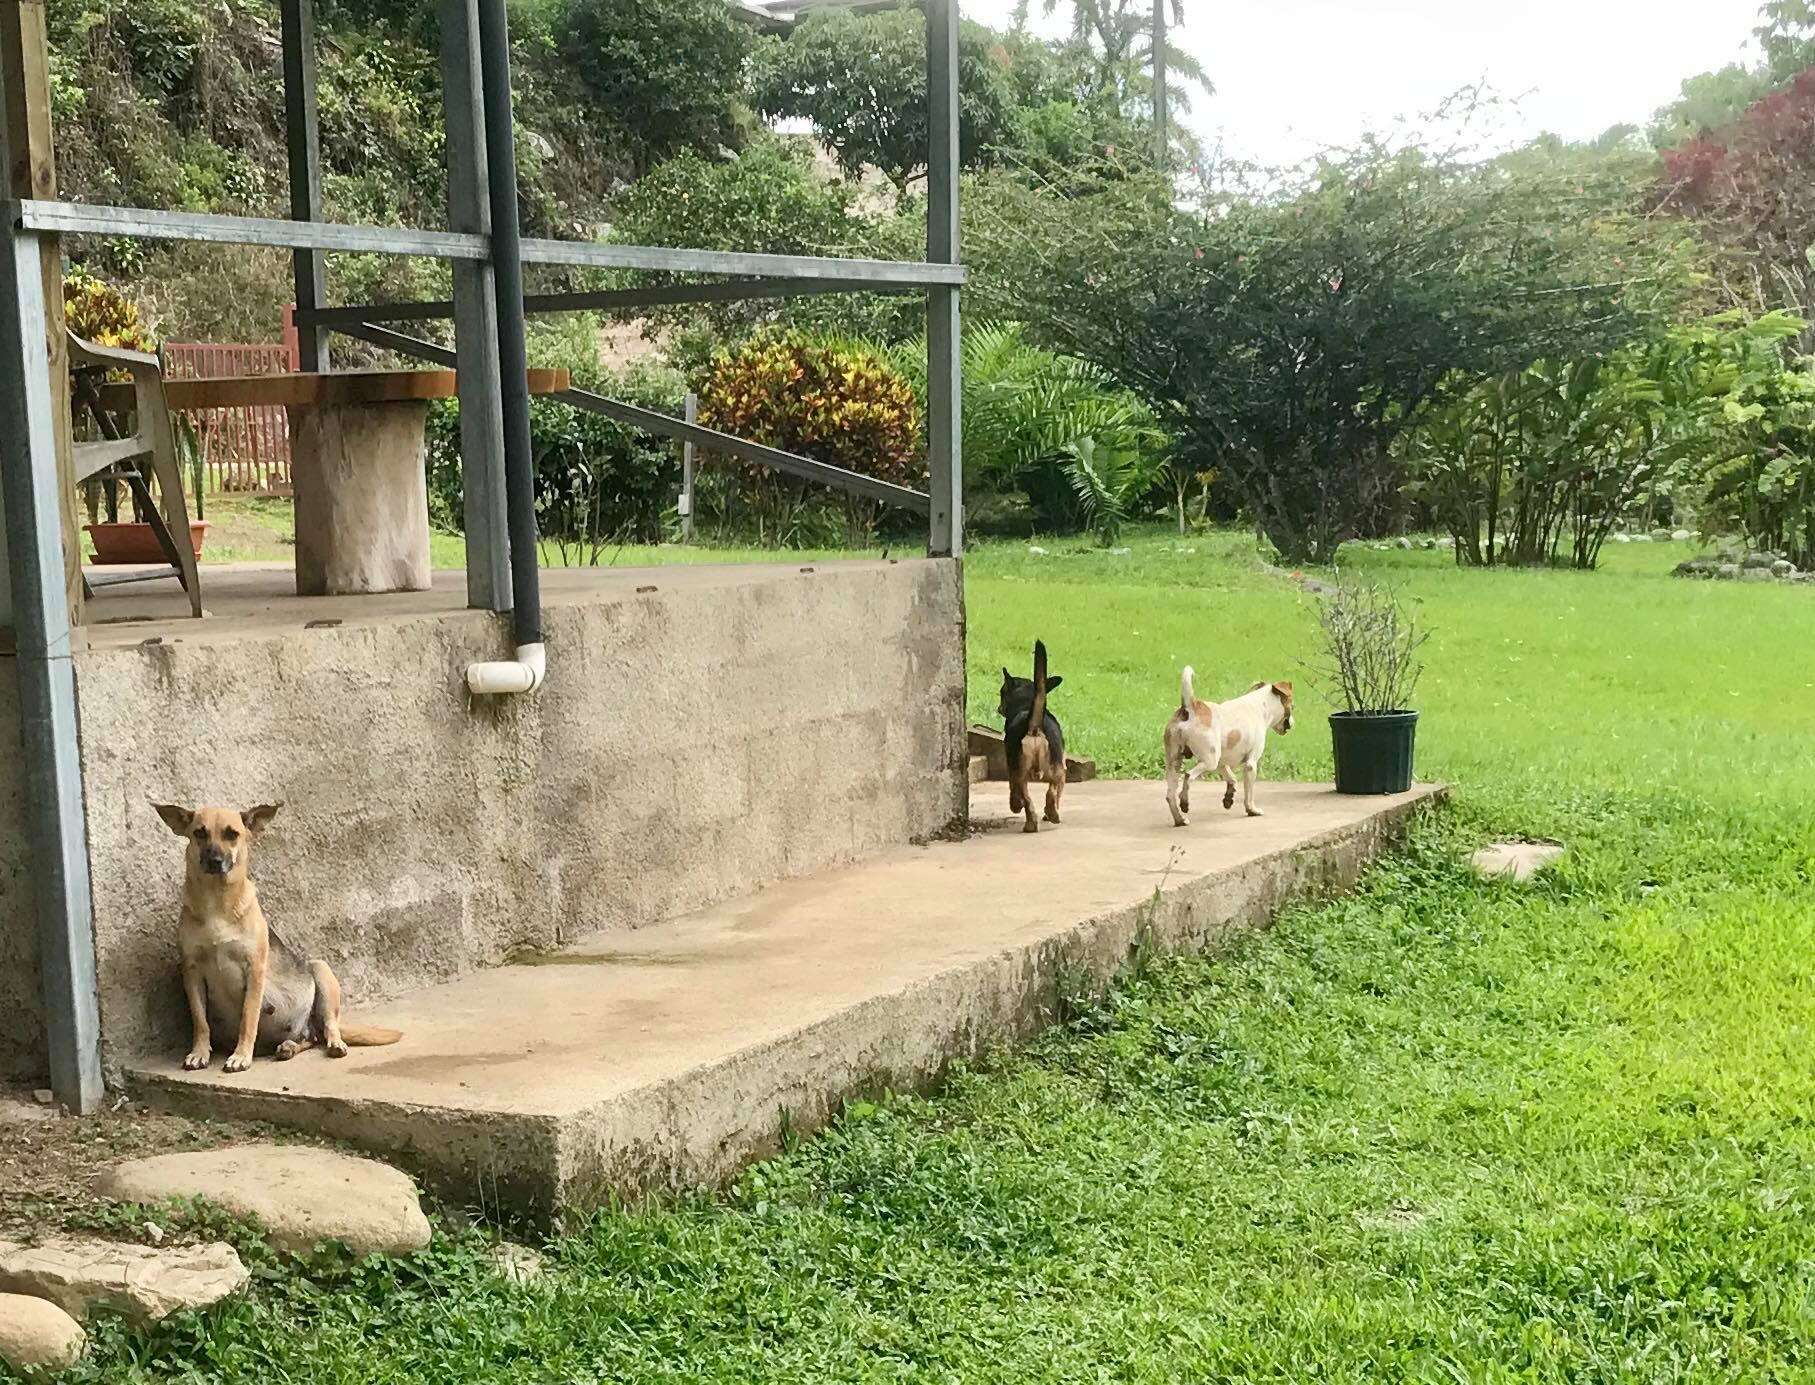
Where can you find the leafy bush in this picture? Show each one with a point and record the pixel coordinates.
(99, 313)
(1085, 451)
(1754, 473)
(1708, 416)
(598, 482)
(1520, 463)
(832, 401)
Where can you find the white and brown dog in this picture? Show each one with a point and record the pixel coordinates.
(1221, 736)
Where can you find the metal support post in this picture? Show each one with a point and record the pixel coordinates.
(475, 311)
(34, 493)
(944, 423)
(302, 128)
(693, 416)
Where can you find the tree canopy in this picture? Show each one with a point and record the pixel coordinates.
(860, 80)
(1291, 338)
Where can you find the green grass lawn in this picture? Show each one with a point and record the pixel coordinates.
(1440, 1130)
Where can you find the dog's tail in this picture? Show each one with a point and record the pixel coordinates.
(1037, 717)
(368, 1035)
(1186, 693)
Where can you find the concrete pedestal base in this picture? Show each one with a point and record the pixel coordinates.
(362, 508)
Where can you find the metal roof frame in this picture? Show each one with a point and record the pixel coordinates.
(488, 309)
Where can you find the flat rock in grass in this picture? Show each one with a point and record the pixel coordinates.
(1519, 860)
(301, 1195)
(518, 1264)
(35, 1333)
(144, 1283)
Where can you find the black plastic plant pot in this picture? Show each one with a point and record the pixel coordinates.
(1373, 751)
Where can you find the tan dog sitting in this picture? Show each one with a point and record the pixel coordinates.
(1221, 736)
(239, 976)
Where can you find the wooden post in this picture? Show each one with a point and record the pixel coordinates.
(944, 405)
(32, 172)
(302, 129)
(693, 416)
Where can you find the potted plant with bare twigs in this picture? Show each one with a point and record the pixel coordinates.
(1371, 646)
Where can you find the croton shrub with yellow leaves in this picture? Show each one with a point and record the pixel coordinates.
(100, 314)
(835, 402)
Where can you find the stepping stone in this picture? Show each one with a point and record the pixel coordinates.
(1520, 860)
(23, 1110)
(518, 1264)
(301, 1195)
(37, 1333)
(145, 1284)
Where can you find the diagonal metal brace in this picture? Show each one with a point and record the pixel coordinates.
(649, 421)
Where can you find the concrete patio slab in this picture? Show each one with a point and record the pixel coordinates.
(671, 1056)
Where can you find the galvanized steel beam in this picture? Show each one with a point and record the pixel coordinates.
(944, 406)
(474, 309)
(58, 832)
(605, 300)
(302, 130)
(84, 218)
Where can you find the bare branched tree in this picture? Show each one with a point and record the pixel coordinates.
(1371, 646)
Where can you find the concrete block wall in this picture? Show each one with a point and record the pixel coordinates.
(691, 743)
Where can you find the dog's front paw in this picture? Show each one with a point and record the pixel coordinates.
(1229, 797)
(196, 1061)
(1256, 813)
(239, 1062)
(337, 1048)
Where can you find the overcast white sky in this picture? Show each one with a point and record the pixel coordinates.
(1296, 75)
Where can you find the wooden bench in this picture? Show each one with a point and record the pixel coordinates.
(356, 467)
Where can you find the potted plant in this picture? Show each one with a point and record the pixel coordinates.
(1371, 646)
(99, 313)
(118, 541)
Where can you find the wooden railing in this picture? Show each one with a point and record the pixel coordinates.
(245, 448)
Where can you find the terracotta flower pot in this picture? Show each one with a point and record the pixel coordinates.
(136, 543)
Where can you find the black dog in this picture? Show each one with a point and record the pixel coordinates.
(1033, 739)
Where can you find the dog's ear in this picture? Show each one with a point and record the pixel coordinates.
(1258, 686)
(178, 820)
(1007, 677)
(259, 818)
(1052, 683)
(1284, 690)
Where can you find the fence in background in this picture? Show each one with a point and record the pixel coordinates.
(245, 449)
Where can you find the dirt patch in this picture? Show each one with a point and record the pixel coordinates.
(48, 1162)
